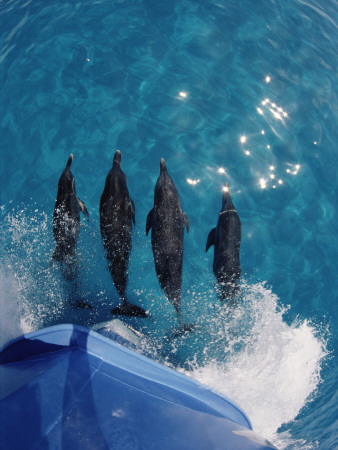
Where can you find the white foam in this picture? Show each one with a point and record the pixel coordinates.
(120, 328)
(11, 325)
(275, 371)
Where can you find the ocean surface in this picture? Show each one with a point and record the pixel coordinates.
(243, 92)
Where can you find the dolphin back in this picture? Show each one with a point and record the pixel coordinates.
(227, 247)
(226, 238)
(66, 216)
(117, 216)
(167, 221)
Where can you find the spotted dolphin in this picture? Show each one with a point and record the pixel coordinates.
(166, 221)
(117, 215)
(226, 239)
(66, 222)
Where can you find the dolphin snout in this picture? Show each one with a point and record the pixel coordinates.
(117, 157)
(162, 164)
(70, 160)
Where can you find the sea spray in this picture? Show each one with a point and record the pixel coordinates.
(248, 351)
(276, 368)
(41, 293)
(27, 248)
(11, 324)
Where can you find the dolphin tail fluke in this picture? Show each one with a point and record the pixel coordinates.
(128, 309)
(79, 304)
(182, 329)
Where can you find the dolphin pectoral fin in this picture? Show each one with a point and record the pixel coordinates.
(128, 309)
(83, 208)
(211, 239)
(149, 221)
(132, 207)
(186, 221)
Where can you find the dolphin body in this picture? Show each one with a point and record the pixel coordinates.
(117, 214)
(226, 238)
(66, 222)
(167, 221)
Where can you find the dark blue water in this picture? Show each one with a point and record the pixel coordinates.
(239, 92)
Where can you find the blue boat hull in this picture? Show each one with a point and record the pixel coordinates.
(68, 387)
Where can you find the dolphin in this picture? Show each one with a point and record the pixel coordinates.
(117, 214)
(226, 239)
(167, 221)
(66, 222)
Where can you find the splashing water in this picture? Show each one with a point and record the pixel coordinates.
(247, 352)
(11, 325)
(277, 367)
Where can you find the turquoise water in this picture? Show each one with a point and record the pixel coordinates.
(239, 92)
